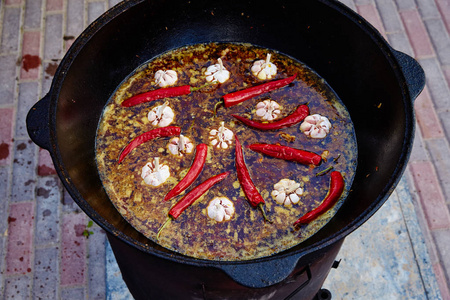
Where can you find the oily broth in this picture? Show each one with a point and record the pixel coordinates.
(246, 235)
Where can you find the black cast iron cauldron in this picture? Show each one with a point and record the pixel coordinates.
(376, 83)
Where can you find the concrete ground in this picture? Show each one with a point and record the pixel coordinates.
(49, 249)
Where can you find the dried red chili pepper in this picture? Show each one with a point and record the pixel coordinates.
(240, 96)
(190, 198)
(253, 196)
(334, 193)
(157, 94)
(197, 165)
(297, 116)
(147, 136)
(287, 153)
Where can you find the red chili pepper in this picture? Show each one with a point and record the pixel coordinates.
(194, 194)
(190, 198)
(288, 153)
(192, 174)
(157, 94)
(240, 96)
(253, 196)
(147, 136)
(336, 188)
(297, 116)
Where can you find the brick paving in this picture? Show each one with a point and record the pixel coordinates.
(43, 252)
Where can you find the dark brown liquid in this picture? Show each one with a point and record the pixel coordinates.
(246, 235)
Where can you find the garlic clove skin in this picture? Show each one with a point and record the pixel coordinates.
(217, 73)
(161, 115)
(180, 146)
(222, 137)
(264, 69)
(155, 174)
(268, 109)
(220, 209)
(316, 126)
(165, 78)
(287, 192)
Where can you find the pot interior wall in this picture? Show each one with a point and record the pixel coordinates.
(320, 34)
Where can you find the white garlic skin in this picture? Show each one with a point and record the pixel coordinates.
(155, 174)
(316, 126)
(222, 137)
(180, 145)
(220, 209)
(287, 192)
(217, 73)
(165, 78)
(268, 109)
(264, 69)
(161, 115)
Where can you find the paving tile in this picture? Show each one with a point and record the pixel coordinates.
(436, 83)
(440, 152)
(400, 42)
(95, 9)
(10, 30)
(2, 260)
(349, 3)
(24, 171)
(45, 280)
(33, 14)
(442, 239)
(13, 2)
(75, 19)
(45, 163)
(420, 238)
(362, 273)
(445, 119)
(419, 151)
(440, 38)
(389, 15)
(73, 294)
(7, 83)
(427, 118)
(428, 9)
(4, 203)
(48, 68)
(20, 238)
(363, 2)
(68, 204)
(30, 55)
(444, 9)
(446, 70)
(96, 263)
(18, 288)
(404, 5)
(48, 197)
(431, 196)
(54, 5)
(417, 34)
(73, 250)
(443, 284)
(28, 93)
(370, 13)
(116, 288)
(53, 41)
(115, 2)
(6, 135)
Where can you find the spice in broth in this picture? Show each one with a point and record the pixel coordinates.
(175, 124)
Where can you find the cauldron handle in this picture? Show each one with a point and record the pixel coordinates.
(262, 274)
(38, 119)
(413, 72)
